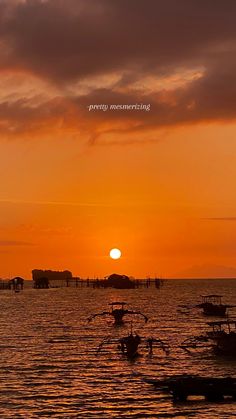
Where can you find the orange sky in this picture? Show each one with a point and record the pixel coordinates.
(159, 185)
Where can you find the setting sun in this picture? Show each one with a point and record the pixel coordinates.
(115, 253)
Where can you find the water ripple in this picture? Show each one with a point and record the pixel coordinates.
(50, 366)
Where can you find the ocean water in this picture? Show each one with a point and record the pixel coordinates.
(50, 366)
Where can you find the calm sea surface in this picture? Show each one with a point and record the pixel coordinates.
(50, 368)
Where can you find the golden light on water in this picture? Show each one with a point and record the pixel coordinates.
(115, 253)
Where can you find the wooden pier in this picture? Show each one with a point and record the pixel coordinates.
(58, 279)
(99, 283)
(15, 284)
(5, 285)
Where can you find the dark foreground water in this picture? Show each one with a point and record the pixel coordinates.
(49, 366)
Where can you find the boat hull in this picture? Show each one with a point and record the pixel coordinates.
(214, 310)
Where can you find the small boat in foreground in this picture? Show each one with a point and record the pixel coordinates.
(223, 336)
(129, 345)
(221, 339)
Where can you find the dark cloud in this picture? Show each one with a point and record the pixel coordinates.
(66, 41)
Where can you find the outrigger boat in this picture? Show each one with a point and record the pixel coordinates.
(221, 339)
(129, 344)
(223, 335)
(212, 305)
(118, 312)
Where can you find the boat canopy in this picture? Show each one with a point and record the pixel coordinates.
(212, 298)
(223, 325)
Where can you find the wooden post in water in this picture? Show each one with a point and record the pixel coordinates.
(157, 282)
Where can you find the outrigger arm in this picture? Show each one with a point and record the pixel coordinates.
(104, 313)
(137, 312)
(195, 342)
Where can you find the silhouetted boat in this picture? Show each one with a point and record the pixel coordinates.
(129, 345)
(183, 386)
(223, 335)
(118, 312)
(212, 305)
(221, 339)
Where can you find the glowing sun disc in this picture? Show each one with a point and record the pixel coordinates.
(115, 253)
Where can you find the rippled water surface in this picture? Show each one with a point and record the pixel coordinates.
(50, 366)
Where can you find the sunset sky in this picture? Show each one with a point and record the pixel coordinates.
(159, 185)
